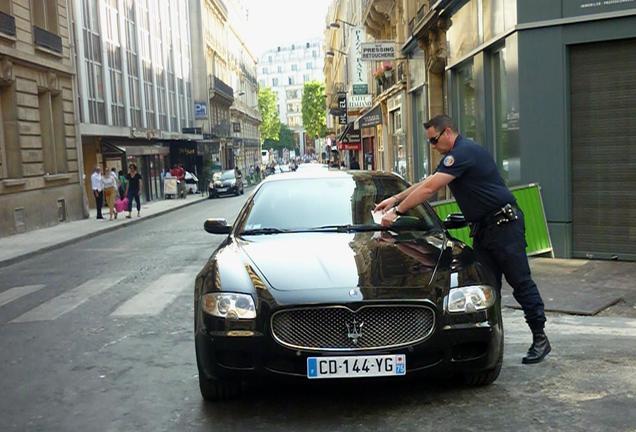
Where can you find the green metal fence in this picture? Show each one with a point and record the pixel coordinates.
(529, 200)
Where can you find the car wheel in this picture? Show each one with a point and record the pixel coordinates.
(242, 191)
(486, 377)
(218, 390)
(213, 389)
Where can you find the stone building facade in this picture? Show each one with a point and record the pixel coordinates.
(40, 153)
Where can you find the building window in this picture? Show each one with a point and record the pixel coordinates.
(280, 69)
(10, 154)
(290, 80)
(294, 67)
(93, 61)
(466, 101)
(274, 82)
(53, 135)
(306, 78)
(506, 149)
(264, 70)
(45, 14)
(310, 65)
(133, 66)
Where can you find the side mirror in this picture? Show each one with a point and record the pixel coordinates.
(217, 226)
(454, 221)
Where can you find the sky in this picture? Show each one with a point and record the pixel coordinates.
(283, 22)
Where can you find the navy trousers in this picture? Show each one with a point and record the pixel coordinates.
(503, 249)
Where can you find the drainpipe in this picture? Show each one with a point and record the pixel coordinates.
(76, 108)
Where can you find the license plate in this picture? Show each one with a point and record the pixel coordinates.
(222, 189)
(356, 366)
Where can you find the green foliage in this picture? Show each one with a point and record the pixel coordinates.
(286, 140)
(267, 104)
(314, 109)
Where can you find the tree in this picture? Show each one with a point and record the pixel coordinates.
(268, 106)
(314, 110)
(286, 140)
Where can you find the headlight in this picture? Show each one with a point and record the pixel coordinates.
(216, 177)
(229, 305)
(470, 298)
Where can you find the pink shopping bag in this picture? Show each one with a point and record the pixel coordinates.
(121, 204)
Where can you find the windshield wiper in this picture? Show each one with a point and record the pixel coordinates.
(259, 231)
(349, 228)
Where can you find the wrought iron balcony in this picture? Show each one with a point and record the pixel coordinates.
(218, 87)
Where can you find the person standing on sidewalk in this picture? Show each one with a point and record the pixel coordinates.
(110, 193)
(98, 190)
(497, 224)
(133, 189)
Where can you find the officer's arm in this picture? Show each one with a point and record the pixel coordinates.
(424, 190)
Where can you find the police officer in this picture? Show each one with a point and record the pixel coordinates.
(497, 224)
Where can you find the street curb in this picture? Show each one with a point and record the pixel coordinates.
(13, 260)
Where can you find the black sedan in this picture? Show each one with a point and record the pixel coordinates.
(307, 285)
(224, 183)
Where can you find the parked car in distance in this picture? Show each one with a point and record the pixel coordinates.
(308, 284)
(225, 183)
(192, 183)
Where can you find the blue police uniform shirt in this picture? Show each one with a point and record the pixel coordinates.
(478, 186)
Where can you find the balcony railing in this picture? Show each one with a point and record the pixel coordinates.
(7, 24)
(221, 88)
(46, 39)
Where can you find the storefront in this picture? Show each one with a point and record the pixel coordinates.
(395, 109)
(540, 88)
(367, 123)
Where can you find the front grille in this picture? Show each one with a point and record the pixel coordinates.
(334, 328)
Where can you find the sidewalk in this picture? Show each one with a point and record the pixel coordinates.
(20, 246)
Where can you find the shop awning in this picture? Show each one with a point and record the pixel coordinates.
(127, 149)
(373, 117)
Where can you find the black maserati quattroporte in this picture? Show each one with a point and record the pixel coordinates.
(308, 285)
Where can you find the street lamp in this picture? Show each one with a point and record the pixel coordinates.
(336, 25)
(332, 52)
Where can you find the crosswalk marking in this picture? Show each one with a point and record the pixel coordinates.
(15, 293)
(68, 300)
(158, 295)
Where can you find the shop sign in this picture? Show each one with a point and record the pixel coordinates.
(371, 118)
(584, 7)
(342, 106)
(200, 110)
(357, 66)
(356, 102)
(360, 89)
(374, 51)
(350, 146)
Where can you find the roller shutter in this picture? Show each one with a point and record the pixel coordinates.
(603, 144)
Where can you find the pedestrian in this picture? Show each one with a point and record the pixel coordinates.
(110, 193)
(181, 179)
(98, 190)
(257, 171)
(497, 223)
(354, 164)
(133, 189)
(122, 184)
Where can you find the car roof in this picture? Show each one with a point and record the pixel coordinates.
(329, 174)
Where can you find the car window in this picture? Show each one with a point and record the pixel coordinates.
(309, 203)
(227, 175)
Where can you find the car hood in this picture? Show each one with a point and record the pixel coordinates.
(320, 261)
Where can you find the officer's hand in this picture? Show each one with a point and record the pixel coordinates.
(389, 217)
(386, 204)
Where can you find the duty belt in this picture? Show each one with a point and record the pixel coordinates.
(503, 215)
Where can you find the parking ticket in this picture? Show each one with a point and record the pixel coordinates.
(377, 217)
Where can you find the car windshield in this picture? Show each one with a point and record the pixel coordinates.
(227, 175)
(325, 203)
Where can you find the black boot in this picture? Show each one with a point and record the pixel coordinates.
(538, 350)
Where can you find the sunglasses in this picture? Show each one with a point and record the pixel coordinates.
(435, 140)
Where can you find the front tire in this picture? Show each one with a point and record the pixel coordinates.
(488, 376)
(213, 390)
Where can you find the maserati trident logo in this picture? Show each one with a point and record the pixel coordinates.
(354, 331)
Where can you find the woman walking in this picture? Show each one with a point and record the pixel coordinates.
(133, 189)
(110, 193)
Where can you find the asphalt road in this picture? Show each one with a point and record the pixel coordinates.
(97, 336)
